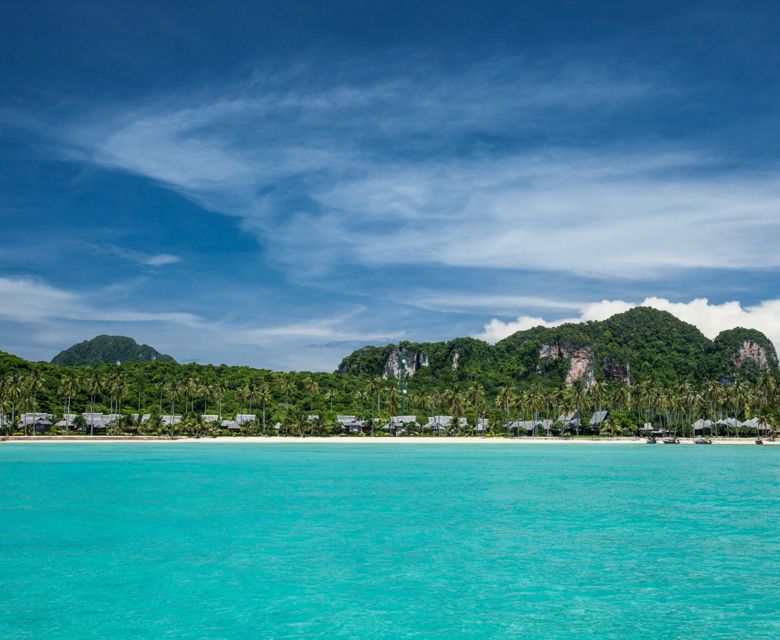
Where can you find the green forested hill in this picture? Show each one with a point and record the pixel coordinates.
(107, 350)
(658, 353)
(642, 343)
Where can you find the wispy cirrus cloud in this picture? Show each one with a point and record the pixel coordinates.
(454, 171)
(137, 257)
(46, 319)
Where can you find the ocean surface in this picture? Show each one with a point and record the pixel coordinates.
(375, 541)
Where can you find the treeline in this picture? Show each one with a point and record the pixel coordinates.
(166, 388)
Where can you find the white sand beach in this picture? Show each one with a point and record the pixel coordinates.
(389, 440)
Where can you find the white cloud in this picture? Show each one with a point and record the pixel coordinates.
(160, 259)
(33, 301)
(710, 318)
(37, 320)
(367, 167)
(139, 257)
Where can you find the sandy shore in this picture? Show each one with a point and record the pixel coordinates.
(336, 440)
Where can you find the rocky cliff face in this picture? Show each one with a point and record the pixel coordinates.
(579, 359)
(751, 351)
(414, 360)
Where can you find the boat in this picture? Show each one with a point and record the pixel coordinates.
(702, 441)
(651, 440)
(759, 441)
(673, 440)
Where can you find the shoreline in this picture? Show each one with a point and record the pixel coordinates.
(427, 440)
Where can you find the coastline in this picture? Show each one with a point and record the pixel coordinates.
(389, 440)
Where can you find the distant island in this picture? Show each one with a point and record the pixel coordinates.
(639, 372)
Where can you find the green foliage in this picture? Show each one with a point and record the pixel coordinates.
(676, 375)
(642, 343)
(108, 350)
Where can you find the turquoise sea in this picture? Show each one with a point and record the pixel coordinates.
(376, 541)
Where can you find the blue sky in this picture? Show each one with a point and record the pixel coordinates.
(276, 184)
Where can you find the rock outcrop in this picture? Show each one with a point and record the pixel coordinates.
(751, 351)
(579, 359)
(411, 358)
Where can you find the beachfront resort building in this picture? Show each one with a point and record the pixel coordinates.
(400, 424)
(571, 420)
(67, 423)
(445, 424)
(482, 426)
(349, 424)
(36, 422)
(170, 420)
(598, 419)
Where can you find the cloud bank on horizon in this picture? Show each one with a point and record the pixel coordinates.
(446, 173)
(710, 319)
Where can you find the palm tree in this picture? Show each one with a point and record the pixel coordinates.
(206, 390)
(287, 385)
(597, 391)
(504, 400)
(475, 396)
(219, 391)
(34, 387)
(264, 396)
(579, 393)
(120, 388)
(174, 393)
(14, 389)
(393, 399)
(190, 388)
(311, 386)
(457, 407)
(375, 391)
(93, 385)
(69, 387)
(360, 398)
(161, 386)
(329, 395)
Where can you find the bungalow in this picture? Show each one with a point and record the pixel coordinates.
(209, 418)
(94, 421)
(349, 424)
(244, 418)
(516, 426)
(482, 425)
(702, 425)
(545, 424)
(37, 422)
(598, 418)
(571, 420)
(170, 420)
(729, 423)
(68, 421)
(439, 424)
(400, 424)
(758, 425)
(140, 418)
(112, 418)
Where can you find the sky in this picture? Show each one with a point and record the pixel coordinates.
(277, 184)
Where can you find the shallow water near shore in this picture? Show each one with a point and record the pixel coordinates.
(361, 541)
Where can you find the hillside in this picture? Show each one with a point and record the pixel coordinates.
(640, 343)
(108, 350)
